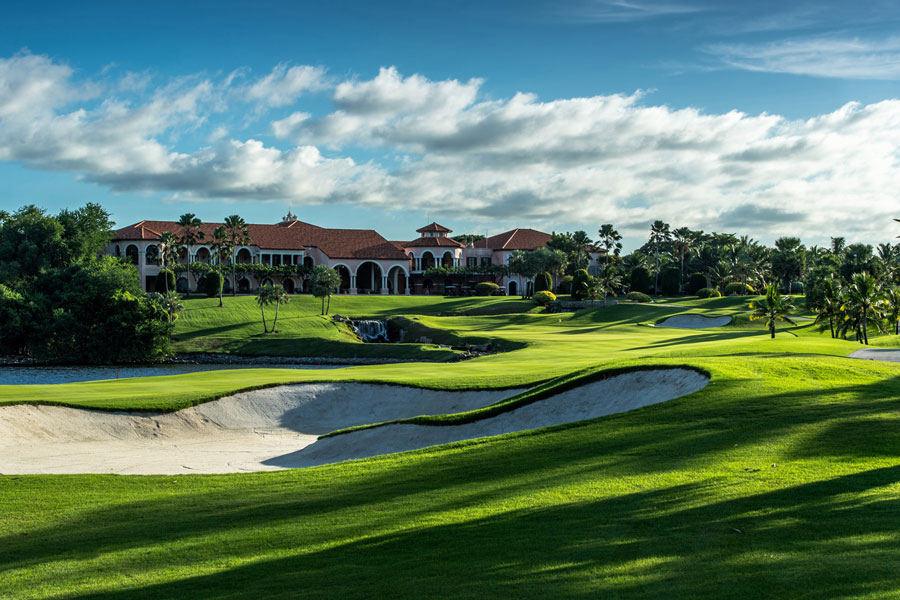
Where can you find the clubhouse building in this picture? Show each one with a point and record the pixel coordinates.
(366, 261)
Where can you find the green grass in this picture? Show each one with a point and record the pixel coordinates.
(780, 479)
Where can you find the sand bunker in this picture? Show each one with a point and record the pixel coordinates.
(694, 322)
(886, 354)
(609, 396)
(233, 434)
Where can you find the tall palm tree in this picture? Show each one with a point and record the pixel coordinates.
(279, 297)
(609, 240)
(862, 303)
(264, 298)
(683, 246)
(222, 251)
(190, 235)
(837, 245)
(892, 304)
(774, 307)
(659, 232)
(168, 252)
(830, 309)
(238, 235)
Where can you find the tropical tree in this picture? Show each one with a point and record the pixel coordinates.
(682, 247)
(264, 298)
(190, 235)
(609, 240)
(659, 232)
(773, 308)
(278, 297)
(168, 252)
(325, 282)
(238, 235)
(837, 245)
(862, 302)
(222, 250)
(829, 305)
(788, 260)
(892, 308)
(172, 304)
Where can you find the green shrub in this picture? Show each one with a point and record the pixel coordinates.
(640, 280)
(486, 288)
(696, 283)
(212, 284)
(544, 297)
(709, 293)
(637, 297)
(737, 288)
(670, 281)
(581, 283)
(797, 287)
(543, 282)
(565, 285)
(161, 281)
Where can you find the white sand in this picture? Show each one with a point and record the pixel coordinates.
(615, 395)
(233, 434)
(694, 322)
(277, 428)
(886, 354)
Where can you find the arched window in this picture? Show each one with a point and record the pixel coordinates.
(131, 253)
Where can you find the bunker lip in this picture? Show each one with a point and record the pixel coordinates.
(233, 434)
(617, 394)
(884, 354)
(694, 322)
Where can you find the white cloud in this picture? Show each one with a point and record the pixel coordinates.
(619, 11)
(512, 161)
(818, 57)
(284, 85)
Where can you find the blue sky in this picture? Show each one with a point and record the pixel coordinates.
(759, 118)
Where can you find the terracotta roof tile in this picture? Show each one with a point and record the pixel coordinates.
(434, 242)
(515, 239)
(434, 227)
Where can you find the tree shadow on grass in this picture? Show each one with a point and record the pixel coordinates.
(827, 539)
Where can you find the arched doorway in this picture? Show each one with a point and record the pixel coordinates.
(267, 281)
(152, 255)
(447, 260)
(203, 255)
(182, 285)
(512, 288)
(131, 254)
(427, 286)
(244, 285)
(226, 285)
(397, 280)
(344, 272)
(288, 285)
(308, 262)
(243, 257)
(427, 260)
(368, 277)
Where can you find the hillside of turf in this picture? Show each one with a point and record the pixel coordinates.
(779, 479)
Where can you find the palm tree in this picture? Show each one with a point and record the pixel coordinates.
(862, 302)
(168, 252)
(683, 246)
(837, 245)
(172, 304)
(609, 240)
(238, 235)
(190, 235)
(774, 307)
(279, 297)
(264, 297)
(892, 302)
(659, 232)
(222, 250)
(830, 309)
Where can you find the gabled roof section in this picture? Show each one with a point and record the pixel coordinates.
(515, 239)
(296, 235)
(434, 228)
(434, 242)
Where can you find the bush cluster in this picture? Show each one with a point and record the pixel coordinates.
(637, 297)
(486, 288)
(670, 281)
(696, 283)
(543, 282)
(544, 297)
(565, 285)
(709, 293)
(640, 280)
(737, 288)
(212, 284)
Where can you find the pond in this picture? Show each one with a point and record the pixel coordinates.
(26, 375)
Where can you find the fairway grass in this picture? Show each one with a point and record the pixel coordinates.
(779, 479)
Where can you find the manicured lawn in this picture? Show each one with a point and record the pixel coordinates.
(779, 479)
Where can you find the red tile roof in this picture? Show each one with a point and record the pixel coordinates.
(434, 242)
(435, 228)
(515, 239)
(293, 235)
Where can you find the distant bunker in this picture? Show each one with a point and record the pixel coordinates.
(694, 322)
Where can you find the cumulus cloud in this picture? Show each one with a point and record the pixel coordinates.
(817, 56)
(450, 150)
(285, 84)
